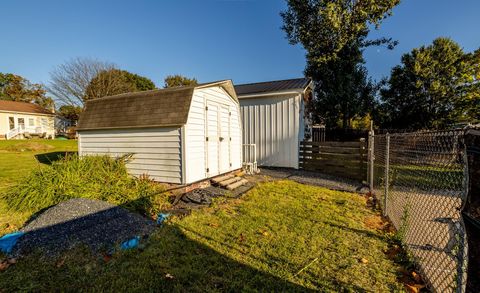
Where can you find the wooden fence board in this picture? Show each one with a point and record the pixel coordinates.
(344, 159)
(334, 156)
(333, 150)
(332, 143)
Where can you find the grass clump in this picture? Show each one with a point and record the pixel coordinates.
(93, 177)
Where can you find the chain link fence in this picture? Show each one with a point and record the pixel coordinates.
(420, 181)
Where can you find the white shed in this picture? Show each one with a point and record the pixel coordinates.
(178, 135)
(273, 115)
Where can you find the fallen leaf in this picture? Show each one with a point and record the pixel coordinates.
(170, 277)
(392, 252)
(412, 289)
(241, 238)
(363, 260)
(214, 225)
(4, 265)
(60, 262)
(416, 277)
(107, 257)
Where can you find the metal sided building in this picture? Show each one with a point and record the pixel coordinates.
(177, 135)
(273, 115)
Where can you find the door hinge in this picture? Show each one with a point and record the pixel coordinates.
(206, 138)
(230, 164)
(230, 139)
(230, 113)
(208, 170)
(206, 108)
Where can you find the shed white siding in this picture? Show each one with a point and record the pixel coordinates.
(156, 151)
(275, 125)
(223, 121)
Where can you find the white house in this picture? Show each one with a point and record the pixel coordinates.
(177, 135)
(19, 120)
(273, 115)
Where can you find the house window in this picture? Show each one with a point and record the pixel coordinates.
(11, 122)
(31, 122)
(21, 123)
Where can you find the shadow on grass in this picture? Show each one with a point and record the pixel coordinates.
(170, 261)
(357, 231)
(49, 158)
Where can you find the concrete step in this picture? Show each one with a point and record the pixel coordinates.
(229, 181)
(217, 180)
(237, 184)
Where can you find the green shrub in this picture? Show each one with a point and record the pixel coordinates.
(94, 177)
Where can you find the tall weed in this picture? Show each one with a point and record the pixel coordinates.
(94, 177)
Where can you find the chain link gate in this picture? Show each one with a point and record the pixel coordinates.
(420, 182)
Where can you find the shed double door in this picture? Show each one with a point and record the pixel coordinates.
(218, 138)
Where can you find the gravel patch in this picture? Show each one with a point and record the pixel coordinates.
(96, 224)
(317, 179)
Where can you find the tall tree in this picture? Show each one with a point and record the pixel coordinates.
(16, 88)
(70, 112)
(343, 90)
(69, 81)
(179, 80)
(324, 27)
(434, 87)
(334, 34)
(115, 81)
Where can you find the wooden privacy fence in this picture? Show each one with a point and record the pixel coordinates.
(344, 159)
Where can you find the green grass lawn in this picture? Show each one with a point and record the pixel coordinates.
(17, 159)
(281, 236)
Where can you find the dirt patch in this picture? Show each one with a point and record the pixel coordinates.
(30, 146)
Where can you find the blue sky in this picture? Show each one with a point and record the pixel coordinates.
(206, 39)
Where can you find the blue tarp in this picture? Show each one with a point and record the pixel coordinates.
(161, 218)
(8, 241)
(129, 244)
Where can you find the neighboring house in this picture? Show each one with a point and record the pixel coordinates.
(177, 135)
(274, 119)
(62, 124)
(23, 120)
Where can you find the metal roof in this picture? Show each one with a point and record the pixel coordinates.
(272, 86)
(155, 108)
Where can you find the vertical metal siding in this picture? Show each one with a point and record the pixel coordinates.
(273, 124)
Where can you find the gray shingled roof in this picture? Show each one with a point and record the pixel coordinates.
(272, 86)
(156, 108)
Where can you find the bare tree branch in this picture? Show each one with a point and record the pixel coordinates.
(69, 81)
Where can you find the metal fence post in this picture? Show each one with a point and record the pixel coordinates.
(387, 169)
(371, 157)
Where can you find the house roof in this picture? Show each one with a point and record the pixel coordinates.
(23, 107)
(272, 86)
(155, 108)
